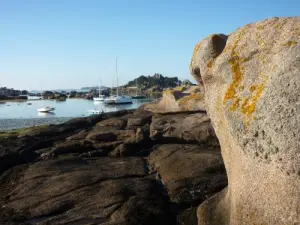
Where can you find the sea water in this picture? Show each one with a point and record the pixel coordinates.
(22, 114)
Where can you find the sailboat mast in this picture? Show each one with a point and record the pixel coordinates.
(136, 91)
(117, 76)
(99, 88)
(112, 87)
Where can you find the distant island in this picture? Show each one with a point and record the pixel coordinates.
(145, 84)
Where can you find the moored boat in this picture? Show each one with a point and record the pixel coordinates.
(118, 99)
(46, 109)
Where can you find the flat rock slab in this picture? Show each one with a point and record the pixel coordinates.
(190, 173)
(183, 128)
(81, 191)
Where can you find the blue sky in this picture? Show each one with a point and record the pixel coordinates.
(69, 44)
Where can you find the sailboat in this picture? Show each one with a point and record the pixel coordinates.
(118, 99)
(100, 97)
(137, 96)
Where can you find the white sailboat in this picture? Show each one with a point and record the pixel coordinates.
(100, 97)
(46, 109)
(118, 99)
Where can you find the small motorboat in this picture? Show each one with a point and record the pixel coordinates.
(95, 111)
(46, 109)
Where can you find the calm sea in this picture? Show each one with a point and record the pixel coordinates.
(15, 115)
(68, 108)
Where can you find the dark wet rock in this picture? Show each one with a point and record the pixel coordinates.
(125, 149)
(78, 191)
(117, 123)
(107, 146)
(78, 136)
(71, 147)
(95, 153)
(138, 119)
(187, 217)
(183, 128)
(21, 146)
(134, 145)
(66, 175)
(190, 173)
(102, 136)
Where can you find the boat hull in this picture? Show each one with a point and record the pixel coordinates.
(138, 97)
(118, 100)
(46, 110)
(118, 103)
(94, 112)
(98, 99)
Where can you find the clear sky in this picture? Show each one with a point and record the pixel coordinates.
(51, 44)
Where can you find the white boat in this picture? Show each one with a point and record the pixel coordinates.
(46, 109)
(110, 100)
(118, 99)
(95, 111)
(100, 97)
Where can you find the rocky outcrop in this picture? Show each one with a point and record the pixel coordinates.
(96, 170)
(190, 173)
(183, 128)
(252, 86)
(179, 99)
(79, 191)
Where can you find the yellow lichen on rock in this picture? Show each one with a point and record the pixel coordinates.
(195, 52)
(183, 102)
(233, 94)
(249, 104)
(290, 43)
(210, 64)
(236, 104)
(237, 71)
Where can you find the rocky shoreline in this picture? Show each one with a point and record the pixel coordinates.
(126, 167)
(162, 163)
(12, 124)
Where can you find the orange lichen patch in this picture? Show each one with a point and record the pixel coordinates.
(249, 104)
(183, 102)
(246, 105)
(241, 88)
(235, 105)
(210, 64)
(237, 71)
(195, 52)
(290, 43)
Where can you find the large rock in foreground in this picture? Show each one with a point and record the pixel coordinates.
(183, 128)
(78, 191)
(252, 86)
(190, 173)
(179, 99)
